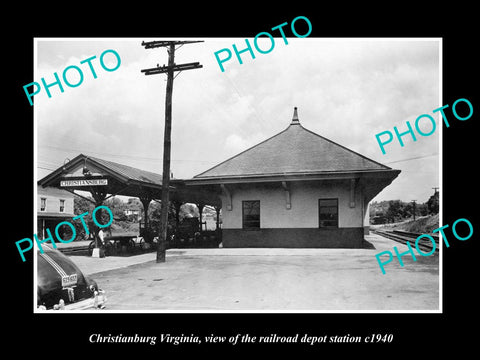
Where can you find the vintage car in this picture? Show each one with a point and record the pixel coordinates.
(61, 285)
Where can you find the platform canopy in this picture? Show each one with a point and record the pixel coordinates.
(87, 173)
(101, 178)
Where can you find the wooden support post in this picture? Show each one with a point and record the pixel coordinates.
(145, 200)
(200, 207)
(217, 225)
(177, 204)
(99, 196)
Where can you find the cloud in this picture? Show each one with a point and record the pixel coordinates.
(347, 90)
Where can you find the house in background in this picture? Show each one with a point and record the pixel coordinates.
(295, 189)
(53, 206)
(132, 213)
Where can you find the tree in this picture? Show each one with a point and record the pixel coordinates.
(406, 210)
(80, 206)
(154, 212)
(433, 203)
(393, 211)
(422, 209)
(117, 206)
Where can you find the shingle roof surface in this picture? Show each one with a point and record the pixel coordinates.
(130, 172)
(294, 150)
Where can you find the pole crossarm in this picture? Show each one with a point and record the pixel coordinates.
(165, 69)
(163, 43)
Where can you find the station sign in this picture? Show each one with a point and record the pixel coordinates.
(83, 182)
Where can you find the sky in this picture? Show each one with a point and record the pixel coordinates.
(347, 90)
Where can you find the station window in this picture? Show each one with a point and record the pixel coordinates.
(62, 205)
(43, 204)
(251, 214)
(328, 213)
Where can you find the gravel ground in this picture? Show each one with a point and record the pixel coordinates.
(264, 280)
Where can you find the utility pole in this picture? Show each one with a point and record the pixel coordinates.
(435, 189)
(169, 70)
(414, 207)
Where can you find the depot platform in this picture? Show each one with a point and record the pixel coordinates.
(256, 279)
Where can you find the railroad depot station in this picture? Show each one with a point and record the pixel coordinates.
(294, 189)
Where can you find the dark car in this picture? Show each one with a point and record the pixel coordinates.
(61, 285)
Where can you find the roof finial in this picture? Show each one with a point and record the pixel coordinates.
(295, 117)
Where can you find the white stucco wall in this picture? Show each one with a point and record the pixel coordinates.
(304, 205)
(366, 219)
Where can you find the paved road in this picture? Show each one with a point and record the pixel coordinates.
(268, 280)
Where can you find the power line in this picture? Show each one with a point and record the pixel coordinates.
(413, 158)
(133, 157)
(260, 120)
(44, 168)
